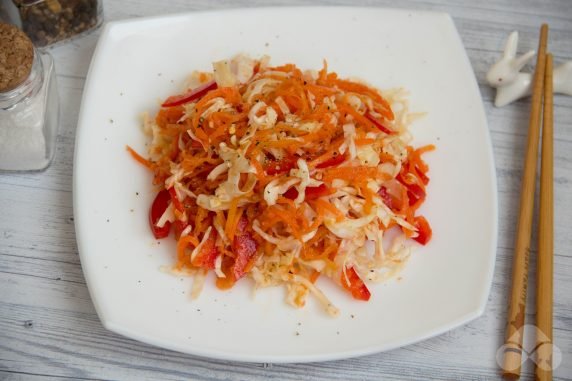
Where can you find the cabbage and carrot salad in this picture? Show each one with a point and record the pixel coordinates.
(285, 177)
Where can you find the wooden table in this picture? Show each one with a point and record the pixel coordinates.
(49, 329)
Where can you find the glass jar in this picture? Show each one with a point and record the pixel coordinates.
(47, 22)
(29, 116)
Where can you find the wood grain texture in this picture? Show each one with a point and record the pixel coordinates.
(517, 301)
(48, 326)
(545, 268)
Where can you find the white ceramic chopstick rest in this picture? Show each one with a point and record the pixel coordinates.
(511, 84)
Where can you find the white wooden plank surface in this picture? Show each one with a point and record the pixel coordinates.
(48, 326)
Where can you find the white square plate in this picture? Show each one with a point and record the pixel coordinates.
(444, 285)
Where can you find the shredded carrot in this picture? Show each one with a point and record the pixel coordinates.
(258, 167)
(184, 260)
(230, 220)
(364, 142)
(350, 173)
(140, 159)
(221, 219)
(324, 207)
(200, 225)
(368, 195)
(314, 276)
(232, 231)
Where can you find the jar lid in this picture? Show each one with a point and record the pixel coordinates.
(16, 57)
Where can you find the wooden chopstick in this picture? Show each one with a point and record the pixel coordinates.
(517, 305)
(544, 283)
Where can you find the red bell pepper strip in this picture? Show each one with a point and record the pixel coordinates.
(332, 162)
(356, 286)
(388, 199)
(424, 230)
(244, 247)
(280, 166)
(291, 193)
(178, 227)
(378, 124)
(207, 255)
(175, 200)
(158, 207)
(311, 193)
(196, 93)
(422, 176)
(415, 193)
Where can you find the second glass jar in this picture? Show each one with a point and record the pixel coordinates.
(50, 21)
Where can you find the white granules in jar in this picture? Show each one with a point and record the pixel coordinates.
(22, 140)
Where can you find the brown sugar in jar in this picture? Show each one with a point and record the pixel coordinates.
(16, 57)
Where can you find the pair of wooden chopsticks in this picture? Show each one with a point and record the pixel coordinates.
(542, 93)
